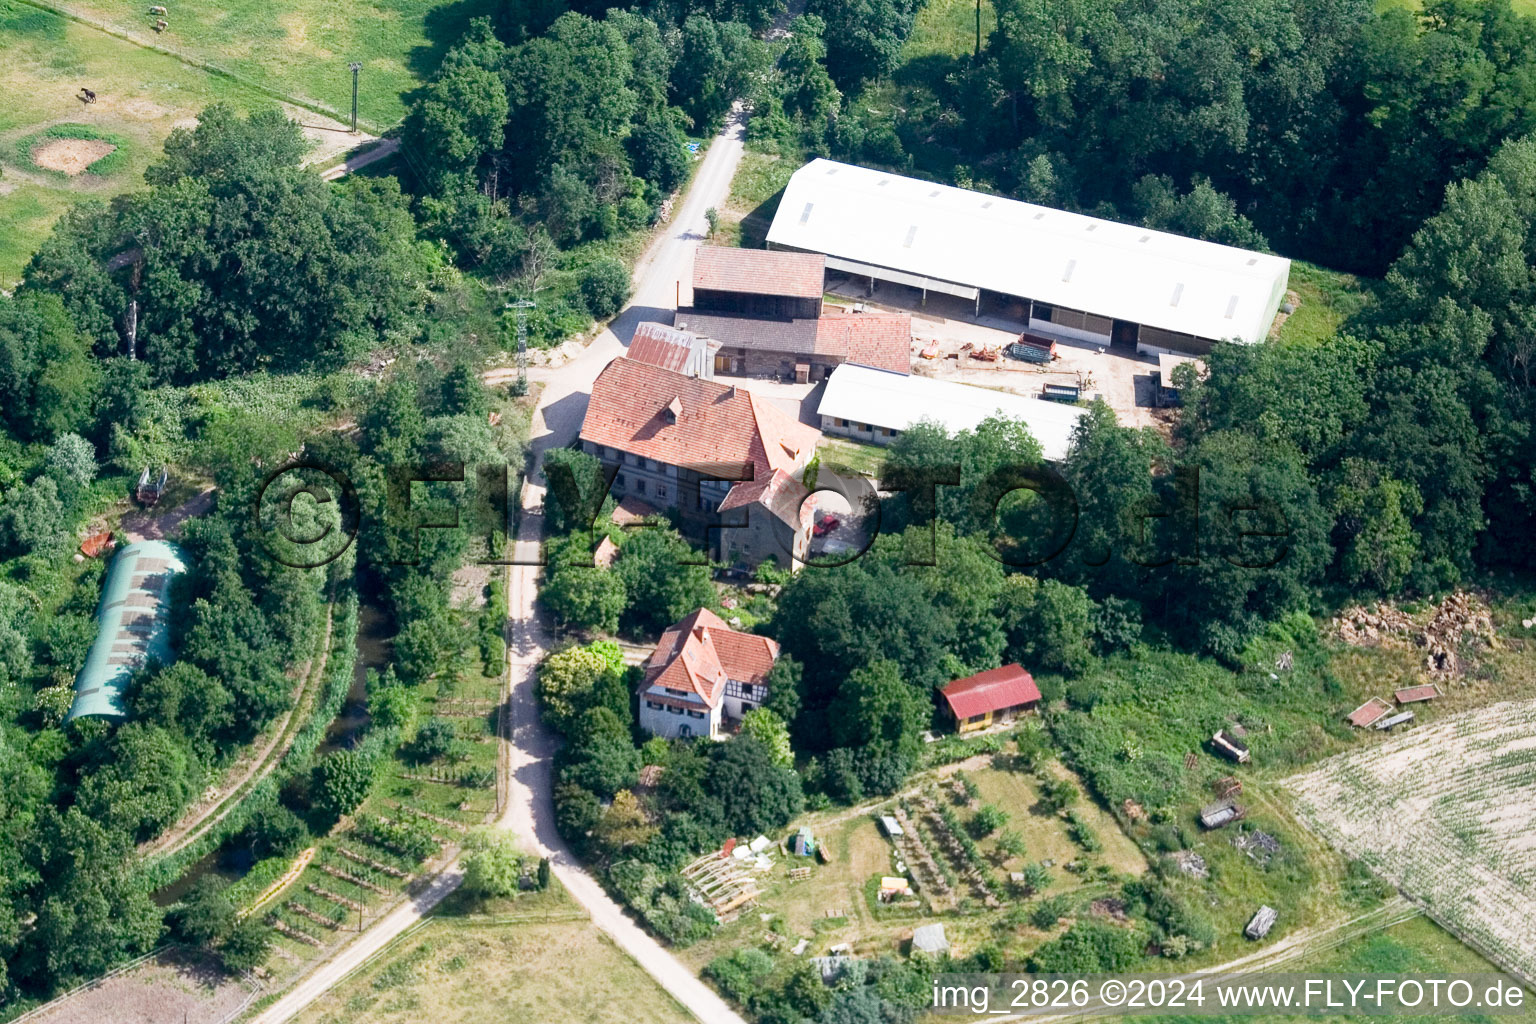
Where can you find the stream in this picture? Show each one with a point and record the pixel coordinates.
(373, 651)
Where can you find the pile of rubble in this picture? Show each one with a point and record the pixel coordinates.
(1191, 864)
(1460, 619)
(1368, 627)
(1260, 847)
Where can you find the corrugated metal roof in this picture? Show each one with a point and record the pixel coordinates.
(672, 349)
(126, 635)
(1115, 270)
(896, 401)
(1368, 712)
(1413, 694)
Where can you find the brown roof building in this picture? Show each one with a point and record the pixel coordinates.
(734, 274)
(998, 694)
(702, 675)
(671, 437)
(765, 312)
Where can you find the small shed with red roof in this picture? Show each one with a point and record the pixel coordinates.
(998, 694)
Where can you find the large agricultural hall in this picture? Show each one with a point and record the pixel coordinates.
(1074, 276)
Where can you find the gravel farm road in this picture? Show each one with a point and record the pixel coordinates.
(658, 281)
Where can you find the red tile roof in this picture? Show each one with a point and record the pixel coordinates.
(781, 494)
(759, 272)
(993, 690)
(632, 409)
(881, 340)
(701, 652)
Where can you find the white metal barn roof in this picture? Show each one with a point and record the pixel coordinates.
(882, 398)
(1099, 266)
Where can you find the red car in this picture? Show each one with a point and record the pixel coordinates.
(825, 525)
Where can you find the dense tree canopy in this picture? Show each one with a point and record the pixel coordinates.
(246, 260)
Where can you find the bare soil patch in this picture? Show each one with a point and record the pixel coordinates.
(70, 156)
(175, 985)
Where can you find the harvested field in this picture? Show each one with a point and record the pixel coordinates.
(174, 985)
(484, 972)
(1444, 813)
(70, 156)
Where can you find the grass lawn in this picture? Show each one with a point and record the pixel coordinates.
(801, 909)
(540, 960)
(26, 216)
(1416, 948)
(947, 28)
(1328, 299)
(301, 48)
(754, 198)
(141, 96)
(1045, 835)
(852, 457)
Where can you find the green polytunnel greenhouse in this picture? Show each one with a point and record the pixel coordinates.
(132, 626)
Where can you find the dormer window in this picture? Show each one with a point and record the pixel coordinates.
(673, 410)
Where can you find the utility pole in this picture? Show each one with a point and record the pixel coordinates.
(522, 306)
(356, 67)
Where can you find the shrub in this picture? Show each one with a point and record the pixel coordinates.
(605, 287)
(391, 705)
(245, 948)
(436, 739)
(1049, 911)
(1082, 833)
(988, 820)
(1057, 794)
(492, 865)
(342, 781)
(1087, 947)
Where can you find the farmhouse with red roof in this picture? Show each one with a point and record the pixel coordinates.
(996, 695)
(701, 447)
(702, 676)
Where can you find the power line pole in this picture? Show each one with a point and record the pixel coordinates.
(522, 306)
(356, 67)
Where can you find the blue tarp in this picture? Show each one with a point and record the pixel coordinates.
(132, 626)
